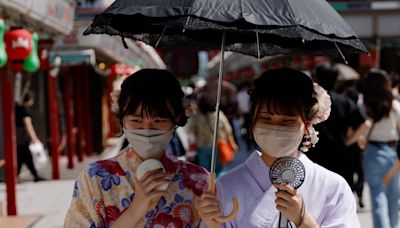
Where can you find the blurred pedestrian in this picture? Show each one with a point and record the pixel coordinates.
(201, 126)
(285, 106)
(395, 82)
(347, 84)
(26, 134)
(109, 193)
(380, 155)
(331, 151)
(228, 102)
(243, 100)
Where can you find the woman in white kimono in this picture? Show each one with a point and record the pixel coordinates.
(285, 106)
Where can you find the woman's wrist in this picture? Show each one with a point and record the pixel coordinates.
(128, 219)
(137, 211)
(213, 225)
(298, 222)
(308, 221)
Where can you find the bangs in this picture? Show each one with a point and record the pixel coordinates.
(283, 107)
(156, 92)
(151, 106)
(278, 107)
(283, 91)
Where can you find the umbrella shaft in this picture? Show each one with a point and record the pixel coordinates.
(221, 70)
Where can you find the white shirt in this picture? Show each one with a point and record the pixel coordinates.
(386, 129)
(243, 100)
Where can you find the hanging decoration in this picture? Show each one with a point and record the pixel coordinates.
(18, 44)
(32, 62)
(3, 53)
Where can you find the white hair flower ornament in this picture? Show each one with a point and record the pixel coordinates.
(324, 105)
(322, 111)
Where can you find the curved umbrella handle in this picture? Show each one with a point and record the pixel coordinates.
(235, 210)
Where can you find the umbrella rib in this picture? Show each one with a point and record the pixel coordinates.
(123, 40)
(159, 38)
(340, 52)
(258, 46)
(187, 22)
(291, 10)
(293, 18)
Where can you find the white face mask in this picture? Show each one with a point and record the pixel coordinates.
(148, 143)
(278, 141)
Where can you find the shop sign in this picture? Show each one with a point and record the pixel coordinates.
(60, 15)
(39, 10)
(21, 6)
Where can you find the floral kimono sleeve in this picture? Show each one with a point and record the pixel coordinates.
(87, 208)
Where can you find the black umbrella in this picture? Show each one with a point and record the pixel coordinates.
(253, 27)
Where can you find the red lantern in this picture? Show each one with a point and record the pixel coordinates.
(18, 46)
(123, 70)
(117, 69)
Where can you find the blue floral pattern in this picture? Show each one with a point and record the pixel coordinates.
(106, 191)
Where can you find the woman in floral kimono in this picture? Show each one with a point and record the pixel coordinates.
(109, 194)
(285, 106)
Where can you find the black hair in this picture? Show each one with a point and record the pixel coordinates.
(326, 75)
(28, 96)
(159, 93)
(284, 91)
(205, 104)
(394, 79)
(377, 94)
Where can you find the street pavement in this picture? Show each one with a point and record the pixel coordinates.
(50, 200)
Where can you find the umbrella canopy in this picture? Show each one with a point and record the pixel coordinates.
(254, 27)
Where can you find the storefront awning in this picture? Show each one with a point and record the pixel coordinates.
(73, 56)
(138, 54)
(51, 16)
